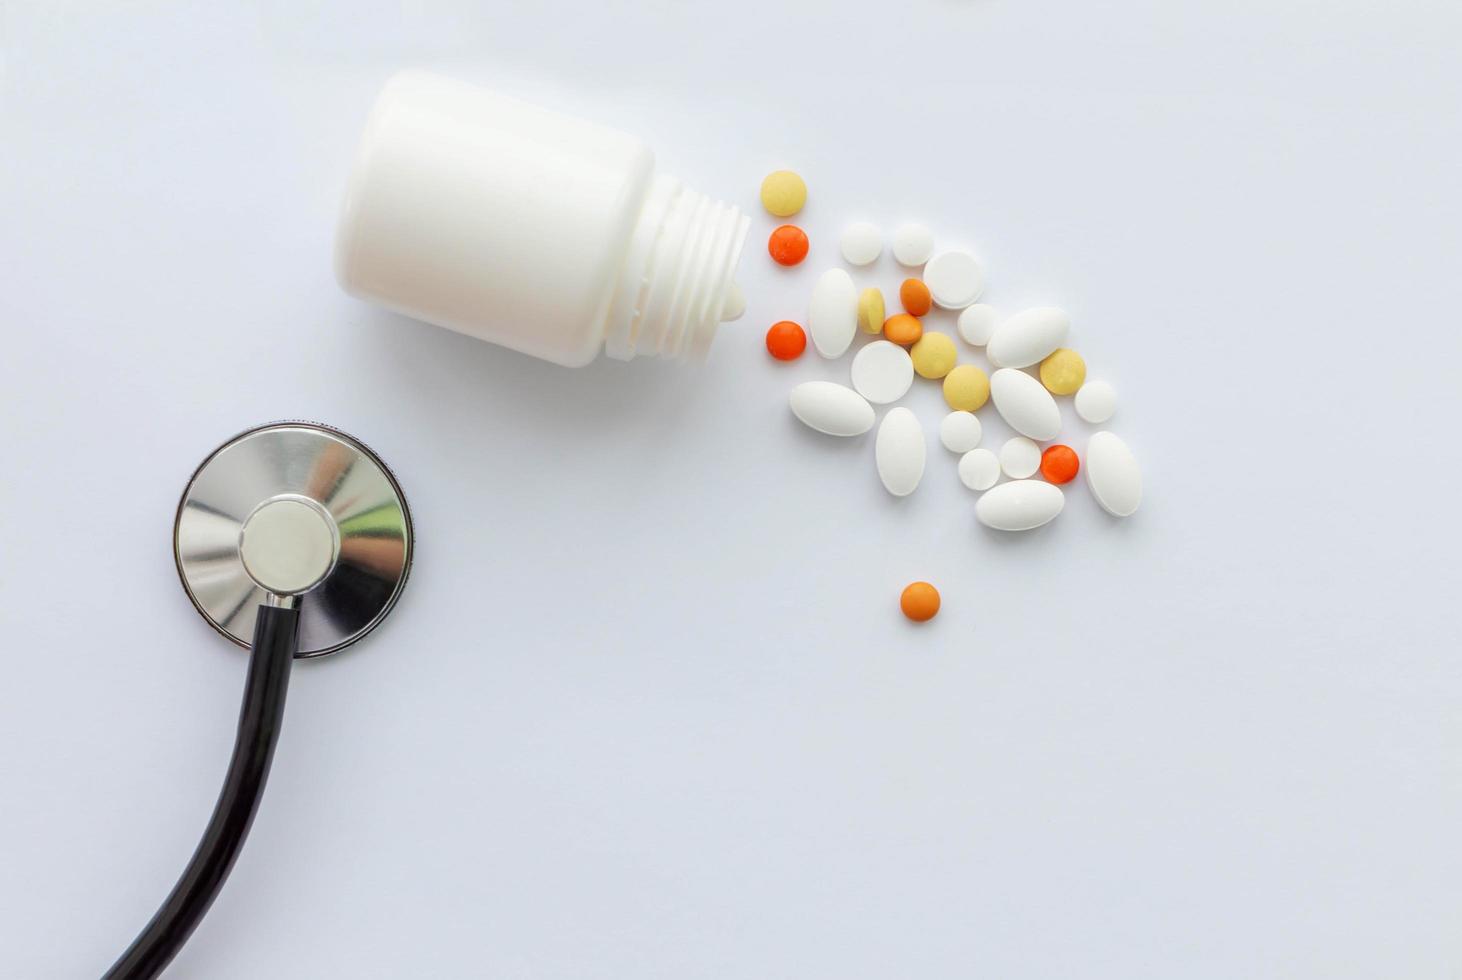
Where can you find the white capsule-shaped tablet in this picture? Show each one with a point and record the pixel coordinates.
(1020, 505)
(832, 318)
(979, 469)
(831, 408)
(1029, 337)
(1096, 401)
(1020, 458)
(1025, 404)
(1112, 474)
(961, 431)
(899, 451)
(912, 245)
(882, 372)
(955, 279)
(976, 324)
(861, 243)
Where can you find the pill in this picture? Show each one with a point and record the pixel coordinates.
(1063, 371)
(786, 341)
(914, 296)
(831, 408)
(1059, 464)
(919, 601)
(966, 388)
(899, 451)
(976, 324)
(832, 317)
(1028, 336)
(960, 432)
(1020, 505)
(1024, 404)
(882, 372)
(979, 469)
(787, 245)
(934, 355)
(1096, 401)
(903, 329)
(783, 193)
(870, 310)
(1020, 458)
(912, 245)
(955, 279)
(734, 304)
(1112, 474)
(861, 243)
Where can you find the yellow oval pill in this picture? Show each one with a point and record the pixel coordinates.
(870, 310)
(1063, 372)
(783, 193)
(966, 388)
(933, 355)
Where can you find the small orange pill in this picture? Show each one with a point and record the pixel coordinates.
(920, 601)
(786, 341)
(1059, 464)
(915, 297)
(788, 245)
(901, 328)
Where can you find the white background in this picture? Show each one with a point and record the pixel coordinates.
(647, 708)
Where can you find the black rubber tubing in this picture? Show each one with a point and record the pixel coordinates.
(276, 636)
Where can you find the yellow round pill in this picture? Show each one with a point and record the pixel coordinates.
(870, 310)
(966, 388)
(1063, 372)
(783, 193)
(933, 355)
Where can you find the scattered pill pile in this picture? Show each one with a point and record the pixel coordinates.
(1030, 368)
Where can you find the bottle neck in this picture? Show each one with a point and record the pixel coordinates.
(677, 282)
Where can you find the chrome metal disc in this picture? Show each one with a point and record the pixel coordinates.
(306, 510)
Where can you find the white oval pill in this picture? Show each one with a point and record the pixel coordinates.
(861, 243)
(979, 469)
(831, 408)
(961, 431)
(955, 279)
(899, 452)
(912, 244)
(1020, 506)
(1096, 401)
(832, 318)
(1112, 474)
(1029, 337)
(976, 324)
(882, 372)
(1020, 458)
(1025, 404)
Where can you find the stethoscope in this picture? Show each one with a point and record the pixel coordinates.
(293, 540)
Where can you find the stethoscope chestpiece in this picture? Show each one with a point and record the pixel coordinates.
(294, 513)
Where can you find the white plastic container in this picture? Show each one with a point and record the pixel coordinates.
(531, 229)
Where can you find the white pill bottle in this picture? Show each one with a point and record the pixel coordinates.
(531, 229)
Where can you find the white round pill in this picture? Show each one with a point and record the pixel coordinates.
(1096, 401)
(961, 431)
(976, 324)
(861, 243)
(912, 245)
(979, 469)
(882, 372)
(1020, 458)
(955, 279)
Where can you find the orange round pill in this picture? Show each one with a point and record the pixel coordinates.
(786, 341)
(901, 328)
(915, 297)
(920, 601)
(1059, 464)
(788, 245)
